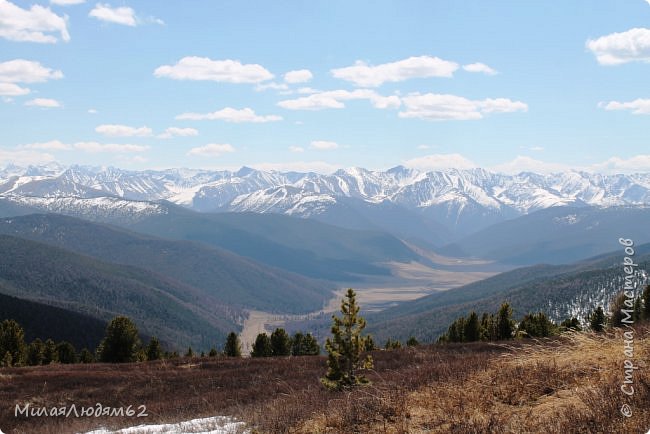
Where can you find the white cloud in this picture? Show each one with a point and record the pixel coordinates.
(11, 89)
(212, 150)
(115, 130)
(363, 74)
(423, 147)
(307, 90)
(38, 24)
(437, 107)
(92, 111)
(120, 15)
(501, 105)
(43, 102)
(296, 149)
(536, 148)
(618, 48)
(480, 67)
(440, 162)
(528, 164)
(638, 106)
(272, 85)
(24, 157)
(67, 2)
(229, 114)
(52, 145)
(26, 71)
(131, 159)
(324, 145)
(203, 68)
(298, 76)
(334, 100)
(178, 132)
(297, 166)
(109, 147)
(56, 145)
(635, 164)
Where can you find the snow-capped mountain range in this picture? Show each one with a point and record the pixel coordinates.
(458, 200)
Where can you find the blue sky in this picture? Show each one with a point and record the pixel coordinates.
(505, 85)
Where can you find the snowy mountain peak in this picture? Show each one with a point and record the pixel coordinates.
(450, 196)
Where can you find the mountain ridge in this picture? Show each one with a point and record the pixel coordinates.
(459, 200)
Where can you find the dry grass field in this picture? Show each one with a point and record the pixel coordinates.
(565, 385)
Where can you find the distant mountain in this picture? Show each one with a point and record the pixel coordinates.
(160, 306)
(215, 276)
(561, 291)
(301, 246)
(557, 235)
(438, 207)
(43, 321)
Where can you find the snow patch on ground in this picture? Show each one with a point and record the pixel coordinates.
(208, 425)
(570, 219)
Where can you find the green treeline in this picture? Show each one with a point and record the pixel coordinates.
(122, 344)
(281, 344)
(501, 326)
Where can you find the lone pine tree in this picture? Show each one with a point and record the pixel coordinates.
(12, 342)
(262, 346)
(597, 320)
(232, 347)
(154, 351)
(345, 347)
(121, 343)
(280, 343)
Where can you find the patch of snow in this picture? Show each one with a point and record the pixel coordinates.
(208, 425)
(570, 219)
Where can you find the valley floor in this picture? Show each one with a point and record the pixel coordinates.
(409, 281)
(565, 385)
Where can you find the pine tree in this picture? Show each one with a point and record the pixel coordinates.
(189, 352)
(616, 316)
(646, 303)
(571, 324)
(35, 352)
(12, 341)
(304, 345)
(456, 331)
(121, 343)
(50, 354)
(213, 352)
(232, 347)
(412, 342)
(345, 347)
(537, 325)
(280, 343)
(505, 324)
(310, 346)
(7, 360)
(297, 344)
(597, 320)
(66, 352)
(488, 327)
(369, 344)
(85, 356)
(154, 351)
(472, 330)
(262, 346)
(392, 344)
